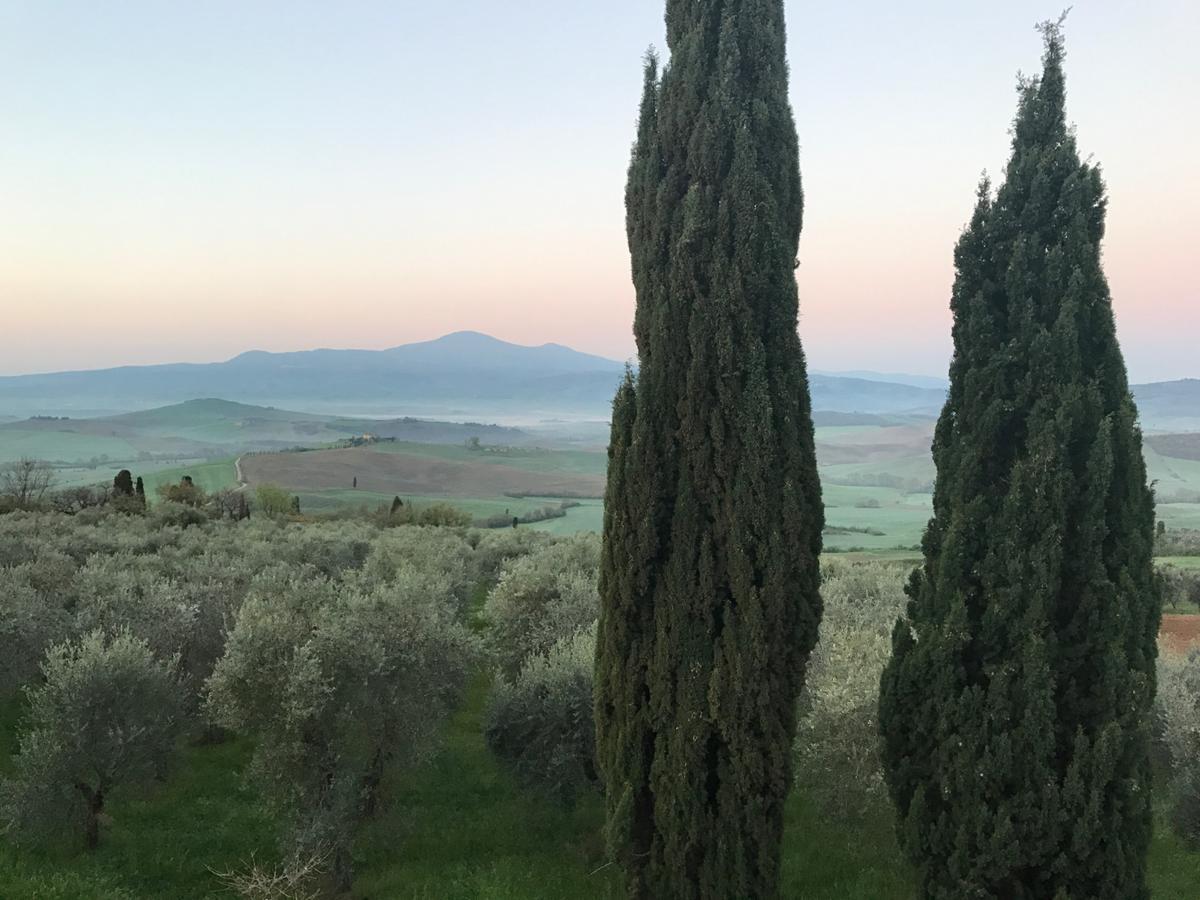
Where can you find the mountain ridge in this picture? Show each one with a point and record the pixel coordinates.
(467, 375)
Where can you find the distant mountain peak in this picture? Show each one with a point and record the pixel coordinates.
(455, 338)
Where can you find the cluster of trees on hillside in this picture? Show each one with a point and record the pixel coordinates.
(28, 485)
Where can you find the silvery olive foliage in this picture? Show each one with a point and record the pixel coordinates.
(336, 684)
(837, 741)
(1178, 709)
(497, 546)
(542, 598)
(541, 723)
(541, 618)
(106, 715)
(30, 622)
(338, 646)
(442, 556)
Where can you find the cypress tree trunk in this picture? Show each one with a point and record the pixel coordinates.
(1016, 707)
(713, 516)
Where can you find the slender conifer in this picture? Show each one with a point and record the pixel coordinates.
(713, 515)
(1016, 708)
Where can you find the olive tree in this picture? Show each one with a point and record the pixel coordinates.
(30, 621)
(336, 683)
(1179, 722)
(543, 598)
(540, 723)
(837, 746)
(106, 715)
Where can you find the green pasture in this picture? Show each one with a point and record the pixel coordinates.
(62, 446)
(1179, 562)
(211, 476)
(900, 516)
(1179, 515)
(586, 517)
(73, 476)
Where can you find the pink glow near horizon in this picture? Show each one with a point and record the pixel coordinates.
(186, 203)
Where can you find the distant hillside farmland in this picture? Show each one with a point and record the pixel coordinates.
(401, 473)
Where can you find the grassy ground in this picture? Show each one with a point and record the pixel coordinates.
(161, 844)
(587, 516)
(459, 828)
(211, 476)
(62, 446)
(104, 474)
(899, 517)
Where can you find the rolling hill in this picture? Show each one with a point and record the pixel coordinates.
(467, 375)
(461, 375)
(210, 428)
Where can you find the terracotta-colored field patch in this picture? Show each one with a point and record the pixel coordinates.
(1180, 633)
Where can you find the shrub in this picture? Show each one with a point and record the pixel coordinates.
(105, 717)
(837, 742)
(184, 619)
(541, 723)
(1176, 541)
(1181, 587)
(1179, 722)
(299, 879)
(541, 599)
(433, 515)
(180, 515)
(72, 500)
(334, 684)
(30, 621)
(273, 501)
(442, 556)
(495, 548)
(186, 493)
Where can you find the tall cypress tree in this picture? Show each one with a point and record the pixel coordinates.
(123, 483)
(713, 519)
(1015, 709)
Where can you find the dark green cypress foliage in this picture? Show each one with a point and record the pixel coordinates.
(139, 488)
(123, 483)
(1016, 708)
(713, 515)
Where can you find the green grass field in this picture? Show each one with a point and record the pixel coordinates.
(211, 476)
(900, 516)
(588, 516)
(876, 519)
(459, 828)
(62, 446)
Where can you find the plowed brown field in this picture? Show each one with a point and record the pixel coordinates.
(401, 473)
(1180, 633)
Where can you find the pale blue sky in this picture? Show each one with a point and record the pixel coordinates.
(182, 181)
